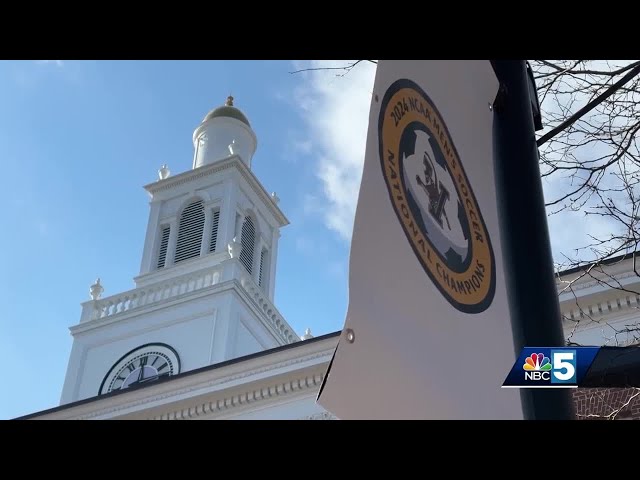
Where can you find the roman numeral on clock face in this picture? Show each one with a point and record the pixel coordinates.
(133, 369)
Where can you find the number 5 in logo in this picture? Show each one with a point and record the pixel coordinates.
(564, 366)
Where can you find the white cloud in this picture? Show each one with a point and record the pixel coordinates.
(296, 146)
(57, 63)
(34, 73)
(303, 146)
(335, 110)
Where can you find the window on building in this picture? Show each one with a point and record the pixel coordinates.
(164, 243)
(190, 230)
(248, 239)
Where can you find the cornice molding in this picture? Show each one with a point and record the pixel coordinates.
(191, 175)
(593, 282)
(251, 396)
(187, 267)
(617, 306)
(207, 170)
(126, 402)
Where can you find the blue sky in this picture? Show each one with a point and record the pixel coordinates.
(79, 139)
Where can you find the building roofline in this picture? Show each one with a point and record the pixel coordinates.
(217, 166)
(607, 261)
(196, 371)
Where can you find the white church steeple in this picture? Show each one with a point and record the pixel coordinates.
(207, 277)
(224, 131)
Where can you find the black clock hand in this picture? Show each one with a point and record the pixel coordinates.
(155, 377)
(143, 362)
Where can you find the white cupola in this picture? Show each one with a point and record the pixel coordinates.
(224, 132)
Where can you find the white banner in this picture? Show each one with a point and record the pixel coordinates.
(427, 334)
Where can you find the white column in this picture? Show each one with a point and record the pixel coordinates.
(227, 221)
(273, 258)
(219, 349)
(195, 153)
(151, 239)
(206, 236)
(238, 228)
(260, 244)
(173, 239)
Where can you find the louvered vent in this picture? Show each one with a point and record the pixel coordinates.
(190, 232)
(263, 267)
(248, 240)
(164, 243)
(214, 231)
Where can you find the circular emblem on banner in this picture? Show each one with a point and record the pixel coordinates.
(433, 199)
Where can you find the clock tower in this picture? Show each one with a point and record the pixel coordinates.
(205, 289)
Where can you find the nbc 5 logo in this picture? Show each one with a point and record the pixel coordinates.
(560, 368)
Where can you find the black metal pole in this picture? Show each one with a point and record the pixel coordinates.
(528, 262)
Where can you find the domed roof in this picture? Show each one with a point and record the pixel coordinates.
(227, 110)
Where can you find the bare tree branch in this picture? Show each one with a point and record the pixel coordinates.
(590, 106)
(346, 69)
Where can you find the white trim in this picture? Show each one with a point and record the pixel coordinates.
(274, 375)
(233, 161)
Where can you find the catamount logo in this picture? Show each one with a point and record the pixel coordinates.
(433, 199)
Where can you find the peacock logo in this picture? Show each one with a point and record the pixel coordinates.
(537, 362)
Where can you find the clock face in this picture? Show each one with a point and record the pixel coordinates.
(140, 366)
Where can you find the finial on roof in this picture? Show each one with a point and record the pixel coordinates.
(96, 290)
(164, 172)
(307, 335)
(229, 102)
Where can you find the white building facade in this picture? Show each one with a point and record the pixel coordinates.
(199, 336)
